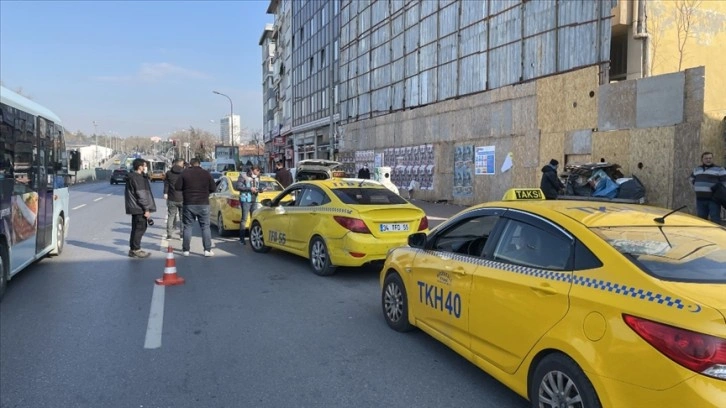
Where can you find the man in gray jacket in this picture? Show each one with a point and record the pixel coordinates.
(704, 178)
(140, 204)
(174, 198)
(247, 185)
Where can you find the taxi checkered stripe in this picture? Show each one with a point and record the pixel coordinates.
(612, 287)
(319, 209)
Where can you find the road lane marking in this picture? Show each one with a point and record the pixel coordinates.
(156, 319)
(75, 208)
(108, 195)
(98, 199)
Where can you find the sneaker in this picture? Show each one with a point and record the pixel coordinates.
(185, 253)
(139, 254)
(242, 241)
(208, 253)
(168, 236)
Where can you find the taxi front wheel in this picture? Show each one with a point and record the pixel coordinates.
(559, 382)
(395, 303)
(257, 238)
(320, 258)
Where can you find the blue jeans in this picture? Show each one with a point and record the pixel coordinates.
(707, 208)
(200, 213)
(247, 210)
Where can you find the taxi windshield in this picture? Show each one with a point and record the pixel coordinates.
(368, 196)
(682, 254)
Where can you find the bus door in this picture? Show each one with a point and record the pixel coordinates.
(45, 189)
(25, 200)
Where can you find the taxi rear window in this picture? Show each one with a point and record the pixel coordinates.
(270, 186)
(681, 254)
(368, 196)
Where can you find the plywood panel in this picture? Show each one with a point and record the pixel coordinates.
(550, 104)
(653, 148)
(581, 98)
(551, 146)
(613, 147)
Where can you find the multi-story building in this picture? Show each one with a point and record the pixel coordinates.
(230, 135)
(278, 143)
(314, 44)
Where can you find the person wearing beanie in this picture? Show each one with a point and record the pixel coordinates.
(551, 184)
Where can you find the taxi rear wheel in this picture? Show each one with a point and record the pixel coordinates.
(320, 258)
(257, 238)
(395, 303)
(220, 225)
(559, 382)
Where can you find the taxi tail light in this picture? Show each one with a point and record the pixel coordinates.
(233, 203)
(699, 352)
(353, 224)
(424, 224)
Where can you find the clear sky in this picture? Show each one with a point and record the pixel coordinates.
(138, 68)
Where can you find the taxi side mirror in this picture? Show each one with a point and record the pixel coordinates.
(266, 202)
(417, 240)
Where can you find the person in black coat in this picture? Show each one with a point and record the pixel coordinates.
(174, 198)
(139, 202)
(551, 184)
(282, 175)
(364, 173)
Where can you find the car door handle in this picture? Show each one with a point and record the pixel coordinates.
(544, 288)
(457, 271)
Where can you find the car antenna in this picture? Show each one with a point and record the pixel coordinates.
(661, 220)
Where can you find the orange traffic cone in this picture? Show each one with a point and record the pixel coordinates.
(170, 278)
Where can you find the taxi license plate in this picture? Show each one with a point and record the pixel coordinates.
(394, 227)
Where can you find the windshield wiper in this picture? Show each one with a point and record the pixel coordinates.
(660, 228)
(661, 220)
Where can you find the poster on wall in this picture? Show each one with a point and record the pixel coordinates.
(484, 160)
(463, 170)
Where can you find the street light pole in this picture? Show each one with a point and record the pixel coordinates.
(231, 116)
(95, 135)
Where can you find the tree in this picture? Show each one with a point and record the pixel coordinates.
(686, 20)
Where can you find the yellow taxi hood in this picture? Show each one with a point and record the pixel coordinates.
(712, 295)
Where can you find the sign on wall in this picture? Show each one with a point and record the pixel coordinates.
(484, 160)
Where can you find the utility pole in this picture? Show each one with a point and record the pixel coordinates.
(95, 136)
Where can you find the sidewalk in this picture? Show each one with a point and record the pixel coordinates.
(438, 211)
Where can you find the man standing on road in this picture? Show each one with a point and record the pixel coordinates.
(704, 178)
(174, 198)
(247, 185)
(139, 202)
(282, 175)
(196, 184)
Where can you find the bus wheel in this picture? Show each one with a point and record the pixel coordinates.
(3, 270)
(61, 237)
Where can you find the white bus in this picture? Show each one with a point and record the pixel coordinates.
(34, 196)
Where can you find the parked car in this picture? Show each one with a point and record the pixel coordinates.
(119, 176)
(569, 303)
(335, 222)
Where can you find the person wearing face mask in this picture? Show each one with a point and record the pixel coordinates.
(247, 185)
(139, 203)
(551, 184)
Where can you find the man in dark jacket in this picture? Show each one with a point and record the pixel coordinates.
(551, 184)
(704, 179)
(364, 173)
(282, 175)
(174, 198)
(196, 184)
(139, 204)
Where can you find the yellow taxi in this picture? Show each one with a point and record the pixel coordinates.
(572, 303)
(335, 222)
(157, 175)
(224, 205)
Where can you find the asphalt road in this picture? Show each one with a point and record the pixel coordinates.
(90, 328)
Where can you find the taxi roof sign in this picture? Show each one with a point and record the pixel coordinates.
(519, 194)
